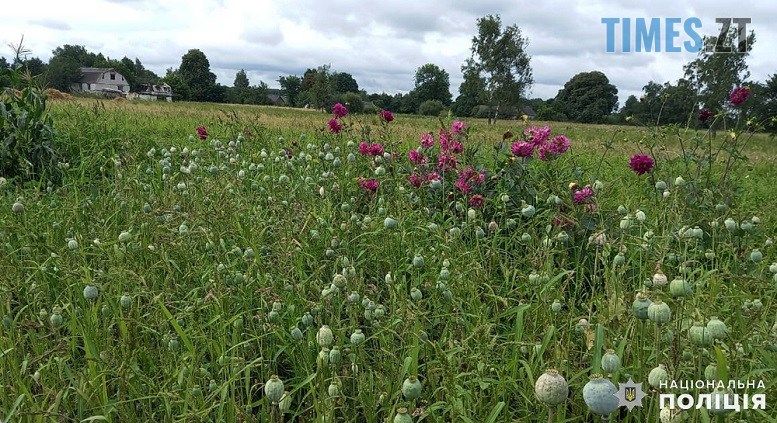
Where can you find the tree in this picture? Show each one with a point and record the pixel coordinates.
(431, 108)
(322, 90)
(196, 75)
(344, 82)
(308, 78)
(177, 85)
(63, 69)
(764, 108)
(291, 86)
(499, 55)
(678, 103)
(714, 74)
(588, 97)
(432, 83)
(472, 92)
(241, 79)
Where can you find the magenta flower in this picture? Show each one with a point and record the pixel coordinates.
(583, 195)
(641, 163)
(202, 132)
(739, 95)
(458, 127)
(427, 140)
(339, 111)
(447, 162)
(369, 185)
(522, 149)
(433, 176)
(386, 115)
(456, 147)
(364, 148)
(705, 114)
(376, 149)
(476, 201)
(559, 145)
(537, 134)
(416, 157)
(414, 180)
(462, 185)
(445, 140)
(335, 126)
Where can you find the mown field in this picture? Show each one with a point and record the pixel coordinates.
(168, 278)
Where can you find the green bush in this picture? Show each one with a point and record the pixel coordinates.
(354, 102)
(431, 108)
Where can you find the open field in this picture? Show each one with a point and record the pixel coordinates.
(167, 278)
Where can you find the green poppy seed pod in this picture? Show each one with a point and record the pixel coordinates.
(334, 356)
(284, 405)
(389, 223)
(746, 225)
(307, 319)
(418, 260)
(731, 224)
(493, 226)
(125, 301)
(296, 333)
(756, 256)
(717, 402)
(625, 223)
(339, 280)
(599, 395)
(619, 260)
(416, 294)
(640, 306)
(700, 335)
(659, 312)
(334, 388)
(357, 337)
(773, 268)
(272, 315)
(402, 416)
(454, 232)
(105, 310)
(582, 325)
(379, 311)
(273, 389)
(551, 388)
(444, 274)
(525, 237)
(90, 292)
(679, 181)
(353, 297)
(124, 236)
(528, 211)
(717, 328)
(680, 288)
(711, 372)
(660, 185)
(324, 337)
(480, 233)
(72, 244)
(611, 363)
(671, 415)
(471, 214)
(657, 375)
(173, 344)
(411, 388)
(17, 208)
(623, 210)
(556, 306)
(534, 277)
(757, 304)
(55, 319)
(276, 306)
(322, 359)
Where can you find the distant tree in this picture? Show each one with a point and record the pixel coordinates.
(631, 107)
(499, 55)
(34, 66)
(322, 90)
(432, 83)
(4, 63)
(174, 79)
(714, 74)
(678, 103)
(63, 67)
(382, 100)
(431, 108)
(764, 108)
(588, 97)
(354, 102)
(308, 78)
(241, 79)
(344, 82)
(196, 75)
(291, 86)
(472, 92)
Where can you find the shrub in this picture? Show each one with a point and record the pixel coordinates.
(354, 102)
(431, 108)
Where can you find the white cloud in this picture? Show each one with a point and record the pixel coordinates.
(380, 43)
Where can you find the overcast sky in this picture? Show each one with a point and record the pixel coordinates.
(380, 42)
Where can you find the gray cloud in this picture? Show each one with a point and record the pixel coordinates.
(51, 24)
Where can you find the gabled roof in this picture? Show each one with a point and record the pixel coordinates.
(91, 75)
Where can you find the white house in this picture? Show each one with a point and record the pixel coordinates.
(152, 92)
(104, 81)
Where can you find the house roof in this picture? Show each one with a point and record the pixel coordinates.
(91, 75)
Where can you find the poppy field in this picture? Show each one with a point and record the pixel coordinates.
(199, 262)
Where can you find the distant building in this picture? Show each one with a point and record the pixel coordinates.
(161, 92)
(529, 111)
(105, 81)
(276, 97)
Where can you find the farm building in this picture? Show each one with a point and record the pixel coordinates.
(105, 81)
(161, 92)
